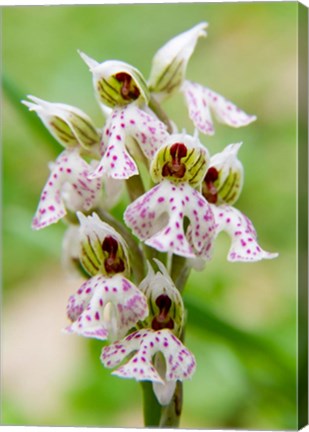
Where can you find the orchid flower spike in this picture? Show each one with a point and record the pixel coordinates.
(170, 62)
(173, 216)
(70, 126)
(107, 305)
(67, 188)
(221, 188)
(116, 83)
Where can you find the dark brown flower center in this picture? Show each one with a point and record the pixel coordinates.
(162, 320)
(113, 263)
(209, 190)
(175, 167)
(128, 90)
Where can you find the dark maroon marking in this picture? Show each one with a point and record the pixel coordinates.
(112, 263)
(208, 188)
(162, 320)
(128, 91)
(176, 168)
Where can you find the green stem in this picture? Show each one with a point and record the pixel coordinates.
(180, 271)
(152, 408)
(170, 416)
(135, 187)
(156, 108)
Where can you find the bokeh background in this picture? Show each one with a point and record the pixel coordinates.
(241, 317)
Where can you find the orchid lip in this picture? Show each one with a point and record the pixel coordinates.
(180, 363)
(87, 308)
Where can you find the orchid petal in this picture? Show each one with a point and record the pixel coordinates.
(202, 102)
(157, 217)
(180, 363)
(92, 233)
(166, 304)
(69, 125)
(68, 186)
(225, 176)
(87, 307)
(244, 245)
(170, 62)
(116, 83)
(128, 130)
(181, 159)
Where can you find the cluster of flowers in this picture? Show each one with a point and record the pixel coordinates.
(189, 202)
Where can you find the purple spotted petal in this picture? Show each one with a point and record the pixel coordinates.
(116, 163)
(126, 127)
(202, 102)
(157, 218)
(180, 363)
(78, 302)
(68, 186)
(244, 245)
(87, 307)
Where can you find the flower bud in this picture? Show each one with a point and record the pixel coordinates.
(170, 62)
(69, 125)
(102, 249)
(117, 83)
(224, 178)
(165, 302)
(181, 159)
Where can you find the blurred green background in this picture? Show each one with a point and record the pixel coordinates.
(243, 326)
